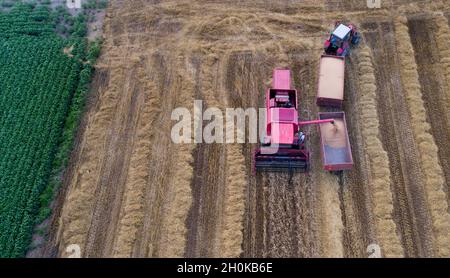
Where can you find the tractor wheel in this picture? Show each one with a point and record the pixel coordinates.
(345, 52)
(355, 39)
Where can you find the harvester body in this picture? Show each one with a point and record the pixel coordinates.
(283, 145)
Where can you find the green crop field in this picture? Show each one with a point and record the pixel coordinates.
(41, 93)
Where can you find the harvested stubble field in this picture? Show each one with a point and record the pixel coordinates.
(131, 192)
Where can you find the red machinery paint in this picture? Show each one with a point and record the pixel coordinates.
(283, 146)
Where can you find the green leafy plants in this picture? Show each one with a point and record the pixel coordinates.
(42, 91)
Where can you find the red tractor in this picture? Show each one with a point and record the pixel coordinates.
(341, 39)
(283, 147)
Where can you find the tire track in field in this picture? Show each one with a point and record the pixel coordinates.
(253, 69)
(99, 83)
(442, 37)
(232, 228)
(132, 212)
(160, 165)
(243, 80)
(433, 85)
(355, 187)
(434, 182)
(77, 211)
(113, 174)
(174, 232)
(209, 171)
(376, 178)
(398, 141)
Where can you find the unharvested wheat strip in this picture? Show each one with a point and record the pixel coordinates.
(442, 39)
(132, 211)
(77, 211)
(379, 176)
(173, 241)
(433, 176)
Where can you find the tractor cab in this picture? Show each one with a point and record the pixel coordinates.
(340, 40)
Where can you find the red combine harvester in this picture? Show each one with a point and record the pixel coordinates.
(283, 147)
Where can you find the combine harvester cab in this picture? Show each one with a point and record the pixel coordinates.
(335, 144)
(283, 146)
